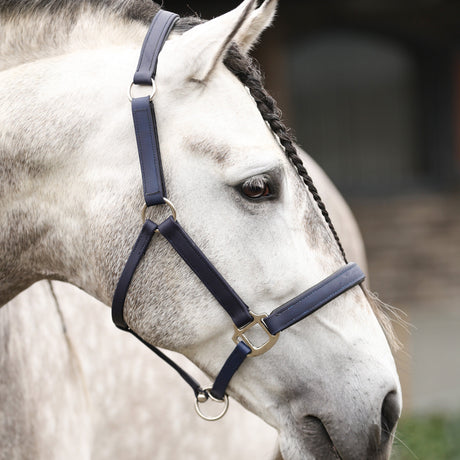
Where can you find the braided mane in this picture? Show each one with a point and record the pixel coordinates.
(245, 69)
(248, 72)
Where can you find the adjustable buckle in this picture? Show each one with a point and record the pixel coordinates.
(239, 335)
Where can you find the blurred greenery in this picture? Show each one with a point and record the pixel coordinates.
(428, 438)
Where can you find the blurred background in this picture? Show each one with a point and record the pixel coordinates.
(372, 91)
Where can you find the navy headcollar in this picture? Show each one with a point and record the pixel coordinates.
(155, 194)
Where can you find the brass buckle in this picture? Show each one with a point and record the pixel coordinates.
(239, 335)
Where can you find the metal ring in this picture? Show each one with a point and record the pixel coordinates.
(171, 207)
(224, 401)
(152, 93)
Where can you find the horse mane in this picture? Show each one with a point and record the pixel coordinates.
(137, 10)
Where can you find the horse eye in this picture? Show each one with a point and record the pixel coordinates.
(256, 188)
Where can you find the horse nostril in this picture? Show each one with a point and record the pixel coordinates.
(391, 411)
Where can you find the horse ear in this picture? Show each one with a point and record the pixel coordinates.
(257, 22)
(205, 45)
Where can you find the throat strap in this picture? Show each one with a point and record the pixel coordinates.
(238, 354)
(138, 251)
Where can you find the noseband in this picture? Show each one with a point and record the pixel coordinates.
(155, 194)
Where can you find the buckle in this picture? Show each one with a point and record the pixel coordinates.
(240, 335)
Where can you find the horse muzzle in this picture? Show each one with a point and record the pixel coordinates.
(359, 431)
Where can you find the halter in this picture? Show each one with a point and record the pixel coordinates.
(243, 318)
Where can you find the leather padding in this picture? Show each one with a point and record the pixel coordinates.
(157, 34)
(314, 298)
(148, 148)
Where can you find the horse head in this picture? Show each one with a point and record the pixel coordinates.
(329, 385)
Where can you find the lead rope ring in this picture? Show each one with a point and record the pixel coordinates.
(205, 396)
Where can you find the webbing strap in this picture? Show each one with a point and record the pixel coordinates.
(196, 387)
(314, 298)
(205, 270)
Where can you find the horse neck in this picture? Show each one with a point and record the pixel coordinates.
(61, 188)
(34, 344)
(37, 34)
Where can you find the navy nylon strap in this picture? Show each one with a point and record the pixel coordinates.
(148, 148)
(205, 270)
(314, 298)
(157, 34)
(232, 364)
(138, 251)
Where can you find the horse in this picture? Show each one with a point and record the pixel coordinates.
(77, 328)
(71, 195)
